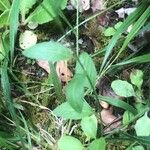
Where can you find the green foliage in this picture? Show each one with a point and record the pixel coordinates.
(136, 78)
(4, 5)
(98, 144)
(118, 103)
(50, 51)
(127, 117)
(138, 148)
(89, 126)
(75, 92)
(86, 66)
(122, 88)
(69, 142)
(67, 112)
(25, 5)
(109, 31)
(142, 126)
(47, 11)
(13, 25)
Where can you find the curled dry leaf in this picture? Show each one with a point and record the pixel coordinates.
(62, 70)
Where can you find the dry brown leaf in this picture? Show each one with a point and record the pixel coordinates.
(62, 70)
(109, 120)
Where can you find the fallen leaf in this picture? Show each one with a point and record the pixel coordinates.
(62, 70)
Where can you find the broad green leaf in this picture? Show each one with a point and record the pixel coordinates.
(109, 31)
(117, 25)
(118, 103)
(14, 22)
(127, 116)
(98, 144)
(69, 143)
(138, 148)
(50, 51)
(89, 126)
(4, 18)
(25, 5)
(67, 112)
(4, 5)
(139, 59)
(47, 11)
(75, 92)
(142, 126)
(122, 88)
(89, 67)
(136, 78)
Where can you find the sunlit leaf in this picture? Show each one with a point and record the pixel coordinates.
(98, 144)
(68, 143)
(50, 51)
(89, 126)
(122, 88)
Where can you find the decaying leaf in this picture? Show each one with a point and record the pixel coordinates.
(62, 70)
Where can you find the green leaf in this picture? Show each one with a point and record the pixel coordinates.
(2, 51)
(130, 19)
(89, 126)
(67, 112)
(118, 103)
(14, 22)
(75, 92)
(68, 143)
(122, 88)
(127, 117)
(89, 67)
(117, 25)
(136, 78)
(4, 18)
(142, 126)
(98, 144)
(50, 51)
(109, 31)
(25, 5)
(4, 5)
(138, 148)
(138, 59)
(47, 11)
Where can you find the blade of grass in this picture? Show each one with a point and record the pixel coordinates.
(139, 59)
(7, 95)
(118, 103)
(27, 131)
(133, 17)
(14, 22)
(56, 82)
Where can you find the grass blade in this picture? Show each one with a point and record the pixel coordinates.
(118, 103)
(14, 22)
